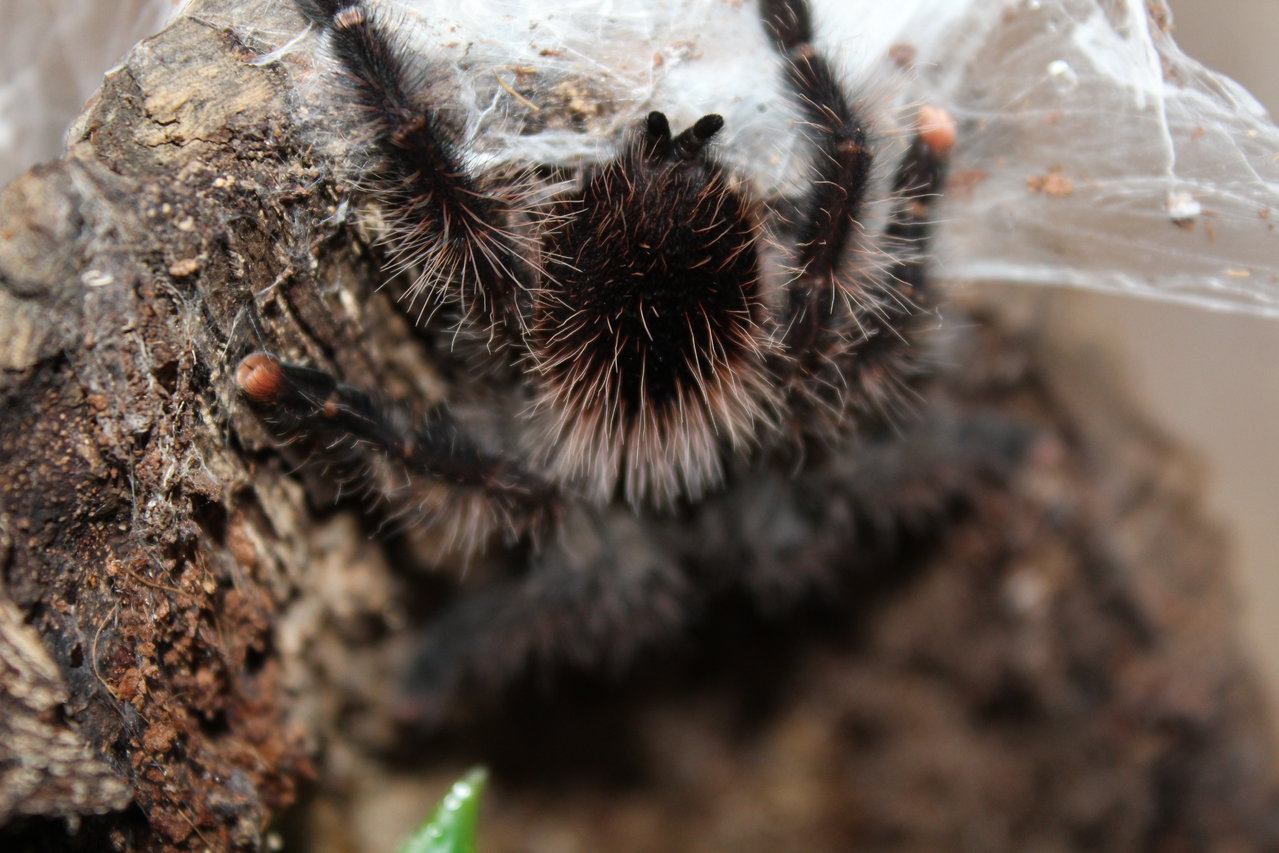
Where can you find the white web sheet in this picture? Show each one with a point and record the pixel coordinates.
(1093, 152)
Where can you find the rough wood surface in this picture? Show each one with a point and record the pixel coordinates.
(190, 631)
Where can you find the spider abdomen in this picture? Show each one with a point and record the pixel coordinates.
(644, 278)
(648, 338)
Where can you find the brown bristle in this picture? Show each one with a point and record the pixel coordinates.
(351, 16)
(649, 341)
(260, 377)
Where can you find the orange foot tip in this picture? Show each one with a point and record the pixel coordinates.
(260, 376)
(936, 129)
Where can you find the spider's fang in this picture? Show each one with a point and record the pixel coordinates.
(690, 143)
(657, 135)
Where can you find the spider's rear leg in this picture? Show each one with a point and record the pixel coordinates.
(430, 468)
(603, 591)
(788, 537)
(458, 235)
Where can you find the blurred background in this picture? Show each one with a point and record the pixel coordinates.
(1211, 380)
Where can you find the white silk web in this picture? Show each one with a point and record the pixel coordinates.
(1093, 152)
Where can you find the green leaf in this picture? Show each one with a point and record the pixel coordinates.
(451, 828)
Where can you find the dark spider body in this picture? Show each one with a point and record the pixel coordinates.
(664, 379)
(650, 333)
(653, 278)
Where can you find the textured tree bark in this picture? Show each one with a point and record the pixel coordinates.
(137, 547)
(190, 630)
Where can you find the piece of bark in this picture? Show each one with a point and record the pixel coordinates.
(160, 580)
(1059, 673)
(46, 768)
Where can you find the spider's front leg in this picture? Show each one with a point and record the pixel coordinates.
(453, 229)
(431, 469)
(854, 315)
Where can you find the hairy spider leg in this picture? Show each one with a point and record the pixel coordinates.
(879, 370)
(918, 185)
(855, 337)
(444, 226)
(341, 420)
(840, 174)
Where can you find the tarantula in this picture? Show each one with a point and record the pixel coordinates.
(669, 337)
